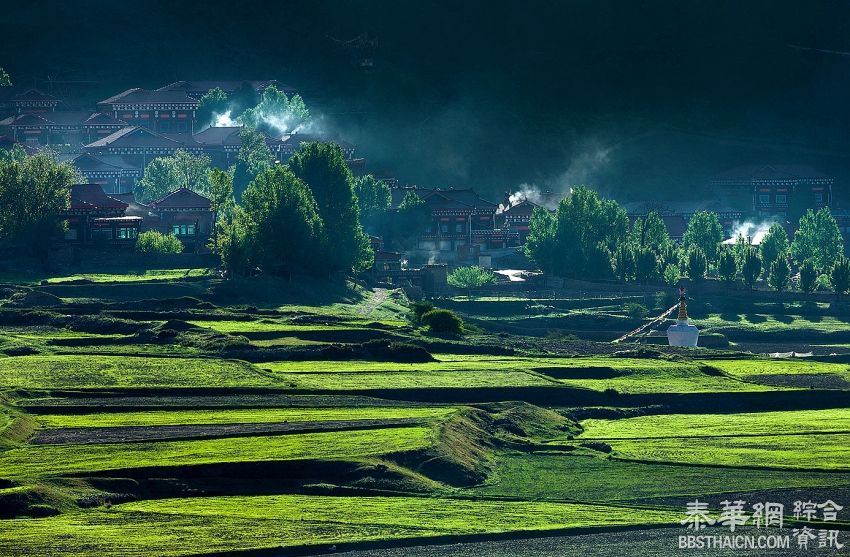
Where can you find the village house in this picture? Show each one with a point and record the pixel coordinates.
(187, 215)
(13, 100)
(111, 172)
(677, 214)
(59, 128)
(774, 187)
(515, 215)
(96, 218)
(158, 111)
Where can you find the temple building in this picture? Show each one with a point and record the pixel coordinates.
(59, 128)
(197, 89)
(187, 215)
(111, 172)
(158, 111)
(774, 187)
(16, 101)
(96, 218)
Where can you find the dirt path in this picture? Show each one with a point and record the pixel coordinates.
(378, 297)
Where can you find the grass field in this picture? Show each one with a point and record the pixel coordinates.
(186, 526)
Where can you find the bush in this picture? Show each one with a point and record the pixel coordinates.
(152, 241)
(443, 321)
(636, 311)
(421, 308)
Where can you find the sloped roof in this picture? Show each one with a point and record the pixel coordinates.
(524, 207)
(91, 196)
(771, 172)
(134, 136)
(92, 163)
(219, 136)
(142, 96)
(101, 119)
(439, 197)
(182, 198)
(228, 86)
(34, 95)
(58, 118)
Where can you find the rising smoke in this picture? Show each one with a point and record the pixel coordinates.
(753, 232)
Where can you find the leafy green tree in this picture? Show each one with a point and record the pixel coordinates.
(650, 233)
(582, 220)
(34, 191)
(322, 167)
(808, 276)
(739, 249)
(213, 103)
(284, 223)
(443, 321)
(598, 262)
(751, 268)
(697, 264)
(470, 278)
(221, 198)
(166, 174)
(779, 274)
(254, 157)
(540, 242)
(373, 198)
(235, 249)
(705, 232)
(646, 265)
(671, 274)
(411, 217)
(5, 80)
(774, 244)
(624, 262)
(15, 154)
(727, 267)
(275, 110)
(155, 242)
(818, 239)
(839, 276)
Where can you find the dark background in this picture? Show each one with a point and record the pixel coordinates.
(639, 99)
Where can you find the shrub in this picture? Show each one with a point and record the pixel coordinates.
(443, 321)
(420, 308)
(671, 274)
(152, 241)
(636, 311)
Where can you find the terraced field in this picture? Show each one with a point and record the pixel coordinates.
(177, 436)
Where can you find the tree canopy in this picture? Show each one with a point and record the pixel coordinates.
(33, 193)
(214, 103)
(166, 174)
(5, 80)
(276, 110)
(321, 166)
(774, 243)
(254, 157)
(818, 239)
(706, 232)
(373, 198)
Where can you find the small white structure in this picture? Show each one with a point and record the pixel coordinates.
(683, 333)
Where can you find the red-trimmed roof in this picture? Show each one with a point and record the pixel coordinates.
(91, 196)
(182, 198)
(143, 96)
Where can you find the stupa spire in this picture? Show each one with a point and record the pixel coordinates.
(683, 305)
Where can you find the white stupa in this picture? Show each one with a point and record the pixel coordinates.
(683, 333)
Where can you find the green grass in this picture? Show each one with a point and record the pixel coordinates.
(413, 380)
(745, 368)
(138, 276)
(587, 478)
(267, 415)
(826, 451)
(767, 323)
(702, 425)
(55, 460)
(101, 372)
(211, 524)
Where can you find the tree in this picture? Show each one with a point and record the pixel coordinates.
(650, 233)
(779, 274)
(34, 191)
(214, 103)
(221, 198)
(624, 262)
(739, 248)
(671, 274)
(322, 167)
(540, 242)
(808, 276)
(275, 110)
(443, 321)
(470, 278)
(727, 267)
(751, 268)
(373, 198)
(818, 239)
(284, 225)
(166, 174)
(235, 249)
(839, 276)
(15, 154)
(697, 264)
(155, 242)
(706, 232)
(5, 80)
(254, 157)
(646, 265)
(410, 219)
(774, 244)
(581, 222)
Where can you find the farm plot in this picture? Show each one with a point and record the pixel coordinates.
(56, 460)
(102, 372)
(577, 477)
(192, 526)
(791, 373)
(414, 380)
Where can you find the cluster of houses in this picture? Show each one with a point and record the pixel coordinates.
(112, 143)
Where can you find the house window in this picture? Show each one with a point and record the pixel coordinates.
(819, 197)
(764, 198)
(445, 245)
(444, 228)
(429, 229)
(781, 199)
(126, 233)
(183, 229)
(101, 234)
(459, 227)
